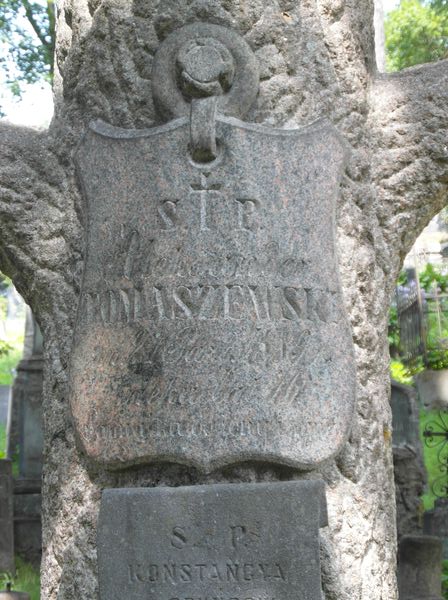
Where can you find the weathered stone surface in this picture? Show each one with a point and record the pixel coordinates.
(211, 328)
(227, 541)
(6, 516)
(420, 568)
(316, 59)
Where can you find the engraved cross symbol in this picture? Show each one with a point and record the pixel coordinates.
(205, 188)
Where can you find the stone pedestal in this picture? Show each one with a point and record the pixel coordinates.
(420, 568)
(6, 518)
(240, 541)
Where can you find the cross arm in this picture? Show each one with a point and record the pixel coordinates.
(38, 224)
(409, 137)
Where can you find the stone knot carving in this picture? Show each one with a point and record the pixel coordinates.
(205, 68)
(202, 60)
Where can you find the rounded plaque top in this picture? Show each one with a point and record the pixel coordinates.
(202, 60)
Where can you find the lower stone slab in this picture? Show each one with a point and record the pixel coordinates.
(212, 542)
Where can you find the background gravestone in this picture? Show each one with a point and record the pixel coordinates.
(5, 395)
(436, 523)
(409, 470)
(25, 437)
(26, 440)
(6, 518)
(419, 568)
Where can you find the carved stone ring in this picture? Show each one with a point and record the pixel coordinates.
(201, 60)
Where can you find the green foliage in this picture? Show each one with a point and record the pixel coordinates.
(430, 277)
(8, 363)
(436, 359)
(2, 441)
(439, 5)
(29, 57)
(400, 373)
(27, 579)
(435, 285)
(5, 348)
(432, 280)
(416, 32)
(393, 332)
(11, 349)
(433, 472)
(445, 579)
(5, 283)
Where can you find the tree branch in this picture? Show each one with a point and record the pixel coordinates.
(34, 24)
(409, 134)
(51, 28)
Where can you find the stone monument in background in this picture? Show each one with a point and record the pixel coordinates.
(6, 518)
(26, 442)
(419, 568)
(409, 470)
(436, 523)
(211, 330)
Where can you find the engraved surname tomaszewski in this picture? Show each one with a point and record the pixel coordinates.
(209, 302)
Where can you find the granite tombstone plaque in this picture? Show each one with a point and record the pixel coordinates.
(220, 542)
(211, 326)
